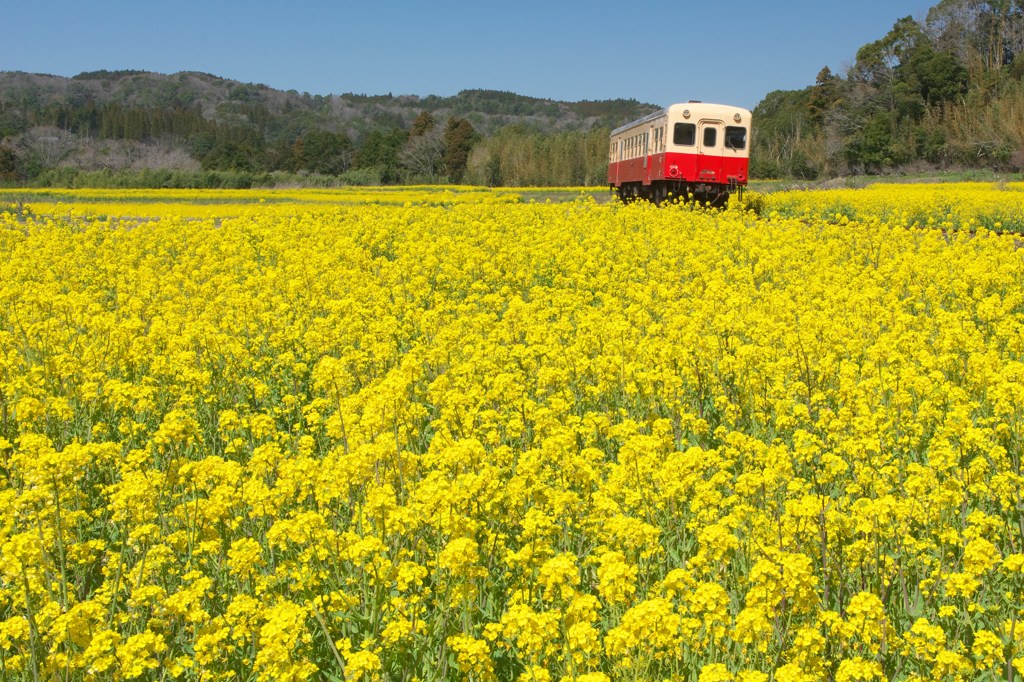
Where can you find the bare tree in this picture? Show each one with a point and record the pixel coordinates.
(423, 154)
(983, 34)
(46, 147)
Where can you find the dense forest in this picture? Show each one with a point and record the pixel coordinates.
(942, 92)
(127, 128)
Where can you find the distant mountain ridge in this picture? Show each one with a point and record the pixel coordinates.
(231, 102)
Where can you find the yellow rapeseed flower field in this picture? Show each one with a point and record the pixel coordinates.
(455, 434)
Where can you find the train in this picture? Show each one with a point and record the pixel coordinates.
(688, 151)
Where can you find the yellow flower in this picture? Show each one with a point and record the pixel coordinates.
(980, 556)
(473, 655)
(139, 653)
(855, 669)
(362, 664)
(950, 664)
(652, 627)
(460, 557)
(617, 578)
(559, 577)
(987, 650)
(714, 672)
(279, 639)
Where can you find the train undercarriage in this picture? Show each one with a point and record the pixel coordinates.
(660, 191)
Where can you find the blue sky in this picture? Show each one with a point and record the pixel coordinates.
(730, 52)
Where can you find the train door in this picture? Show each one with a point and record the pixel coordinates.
(646, 152)
(709, 150)
(618, 154)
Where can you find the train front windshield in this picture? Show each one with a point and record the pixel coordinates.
(735, 137)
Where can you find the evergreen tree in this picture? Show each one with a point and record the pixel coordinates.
(8, 164)
(459, 138)
(379, 151)
(424, 123)
(323, 152)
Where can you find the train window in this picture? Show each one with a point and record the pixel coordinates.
(735, 137)
(685, 134)
(710, 137)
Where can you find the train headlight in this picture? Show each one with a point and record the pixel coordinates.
(686, 113)
(736, 117)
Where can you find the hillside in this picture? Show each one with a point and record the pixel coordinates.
(53, 128)
(231, 102)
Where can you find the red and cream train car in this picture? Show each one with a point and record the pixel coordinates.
(696, 149)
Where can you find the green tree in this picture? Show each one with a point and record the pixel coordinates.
(459, 137)
(8, 164)
(379, 150)
(823, 95)
(880, 64)
(424, 123)
(872, 149)
(938, 76)
(320, 151)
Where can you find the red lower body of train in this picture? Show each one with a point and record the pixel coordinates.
(702, 177)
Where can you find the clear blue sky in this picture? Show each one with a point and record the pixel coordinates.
(730, 52)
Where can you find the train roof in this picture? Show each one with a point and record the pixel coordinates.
(700, 109)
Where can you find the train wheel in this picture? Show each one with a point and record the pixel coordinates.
(720, 200)
(659, 194)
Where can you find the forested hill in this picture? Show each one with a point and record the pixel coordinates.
(27, 96)
(942, 91)
(124, 120)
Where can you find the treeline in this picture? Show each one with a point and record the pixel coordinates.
(72, 137)
(67, 144)
(944, 92)
(519, 157)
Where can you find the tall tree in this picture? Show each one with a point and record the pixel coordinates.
(459, 137)
(423, 154)
(823, 95)
(8, 164)
(424, 123)
(985, 35)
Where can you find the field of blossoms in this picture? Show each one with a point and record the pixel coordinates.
(461, 434)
